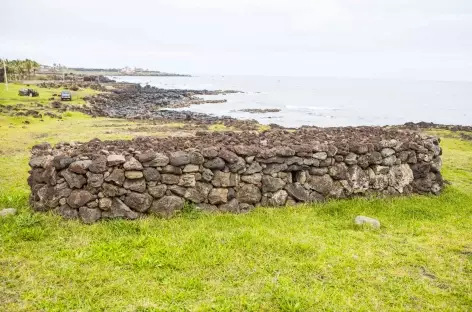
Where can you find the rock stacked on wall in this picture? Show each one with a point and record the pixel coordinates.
(228, 171)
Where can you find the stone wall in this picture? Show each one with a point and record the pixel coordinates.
(231, 172)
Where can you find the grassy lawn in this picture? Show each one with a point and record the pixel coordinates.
(293, 259)
(11, 96)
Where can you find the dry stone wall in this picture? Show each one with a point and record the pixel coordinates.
(231, 172)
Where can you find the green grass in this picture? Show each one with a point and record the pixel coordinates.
(307, 258)
(11, 96)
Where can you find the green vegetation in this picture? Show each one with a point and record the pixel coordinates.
(19, 69)
(11, 96)
(293, 259)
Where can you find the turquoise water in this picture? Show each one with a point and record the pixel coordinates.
(330, 101)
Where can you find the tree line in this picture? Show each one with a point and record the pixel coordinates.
(20, 69)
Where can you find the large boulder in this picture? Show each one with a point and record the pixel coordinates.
(98, 165)
(138, 202)
(79, 198)
(74, 180)
(167, 205)
(297, 191)
(249, 194)
(119, 209)
(400, 176)
(89, 215)
(179, 158)
(137, 185)
(270, 184)
(322, 184)
(132, 164)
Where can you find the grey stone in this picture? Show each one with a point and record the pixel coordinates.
(218, 196)
(151, 174)
(117, 176)
(170, 178)
(79, 198)
(132, 164)
(98, 165)
(74, 180)
(215, 164)
(255, 178)
(380, 169)
(359, 179)
(363, 161)
(210, 152)
(389, 161)
(238, 166)
(228, 156)
(274, 168)
(245, 150)
(253, 168)
(187, 180)
(89, 215)
(320, 155)
(172, 170)
(400, 176)
(146, 157)
(278, 198)
(177, 190)
(249, 194)
(350, 159)
(111, 190)
(104, 203)
(94, 179)
(321, 171)
(167, 205)
(316, 197)
(160, 160)
(138, 202)
(67, 212)
(40, 161)
(284, 151)
(134, 174)
(179, 158)
(375, 158)
(225, 179)
(321, 184)
(157, 191)
(7, 212)
(386, 152)
(361, 220)
(92, 204)
(301, 177)
(119, 209)
(207, 175)
(231, 206)
(61, 161)
(270, 184)
(191, 168)
(198, 194)
(80, 166)
(297, 191)
(196, 158)
(137, 185)
(114, 160)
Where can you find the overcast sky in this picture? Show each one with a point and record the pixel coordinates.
(425, 39)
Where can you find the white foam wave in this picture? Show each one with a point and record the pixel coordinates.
(295, 107)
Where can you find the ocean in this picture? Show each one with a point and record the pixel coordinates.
(329, 101)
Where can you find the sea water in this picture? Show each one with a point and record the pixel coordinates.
(329, 101)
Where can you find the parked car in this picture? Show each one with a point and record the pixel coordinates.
(28, 92)
(66, 96)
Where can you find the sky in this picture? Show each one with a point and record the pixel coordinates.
(419, 39)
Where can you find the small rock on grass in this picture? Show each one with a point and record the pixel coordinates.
(7, 212)
(361, 220)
